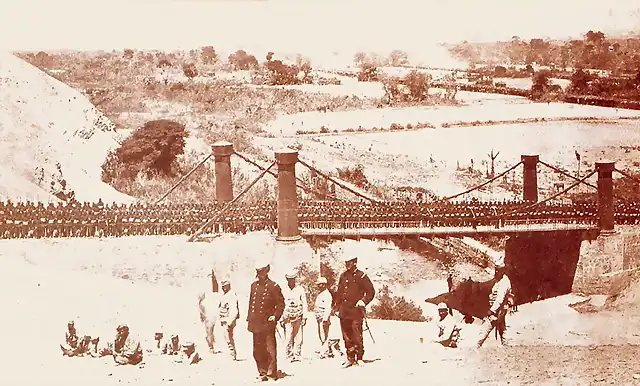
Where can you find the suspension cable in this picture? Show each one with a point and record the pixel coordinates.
(636, 179)
(479, 186)
(230, 204)
(181, 180)
(566, 174)
(549, 198)
(343, 186)
(299, 185)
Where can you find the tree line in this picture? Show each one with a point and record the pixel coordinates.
(594, 51)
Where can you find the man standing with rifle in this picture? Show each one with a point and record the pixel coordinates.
(499, 302)
(355, 292)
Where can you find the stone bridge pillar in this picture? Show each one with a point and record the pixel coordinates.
(222, 152)
(530, 177)
(287, 196)
(606, 210)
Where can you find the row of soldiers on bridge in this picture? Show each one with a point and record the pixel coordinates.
(31, 220)
(338, 315)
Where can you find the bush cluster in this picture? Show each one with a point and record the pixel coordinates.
(389, 307)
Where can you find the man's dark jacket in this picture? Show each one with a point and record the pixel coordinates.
(352, 287)
(265, 300)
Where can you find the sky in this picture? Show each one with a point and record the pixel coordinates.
(300, 25)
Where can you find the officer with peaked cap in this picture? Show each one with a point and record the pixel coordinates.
(266, 305)
(355, 291)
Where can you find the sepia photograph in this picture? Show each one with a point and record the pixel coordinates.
(319, 192)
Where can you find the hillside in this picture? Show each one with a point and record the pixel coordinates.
(44, 122)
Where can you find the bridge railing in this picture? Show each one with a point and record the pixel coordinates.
(481, 223)
(524, 225)
(560, 220)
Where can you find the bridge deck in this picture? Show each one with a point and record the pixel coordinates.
(446, 231)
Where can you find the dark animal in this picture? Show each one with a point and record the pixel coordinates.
(469, 297)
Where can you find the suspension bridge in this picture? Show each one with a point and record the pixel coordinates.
(375, 218)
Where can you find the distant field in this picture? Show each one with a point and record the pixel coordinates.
(525, 83)
(498, 110)
(428, 158)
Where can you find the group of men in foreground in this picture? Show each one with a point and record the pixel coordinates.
(270, 306)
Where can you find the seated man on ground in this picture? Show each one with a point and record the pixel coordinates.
(174, 347)
(126, 351)
(160, 346)
(70, 344)
(97, 350)
(189, 354)
(448, 330)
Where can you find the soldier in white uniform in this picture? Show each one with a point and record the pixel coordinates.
(208, 304)
(322, 309)
(228, 315)
(294, 316)
(499, 300)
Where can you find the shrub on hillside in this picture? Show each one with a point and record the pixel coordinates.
(240, 60)
(354, 175)
(391, 307)
(368, 73)
(418, 84)
(208, 55)
(282, 74)
(152, 149)
(190, 70)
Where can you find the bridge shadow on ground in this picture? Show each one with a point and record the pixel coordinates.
(540, 266)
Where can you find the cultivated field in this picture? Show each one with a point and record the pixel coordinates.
(478, 111)
(429, 158)
(525, 83)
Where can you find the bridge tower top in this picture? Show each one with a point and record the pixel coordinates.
(530, 158)
(222, 149)
(605, 166)
(286, 156)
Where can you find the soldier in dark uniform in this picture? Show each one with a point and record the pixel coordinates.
(266, 305)
(355, 292)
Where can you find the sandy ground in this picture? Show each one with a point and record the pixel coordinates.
(52, 281)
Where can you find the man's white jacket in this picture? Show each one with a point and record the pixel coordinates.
(295, 302)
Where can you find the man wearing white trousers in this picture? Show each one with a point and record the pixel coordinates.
(294, 317)
(229, 314)
(499, 301)
(322, 309)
